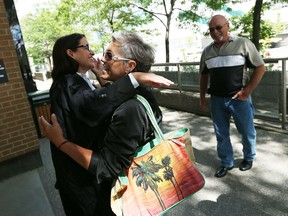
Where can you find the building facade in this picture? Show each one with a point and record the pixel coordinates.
(19, 143)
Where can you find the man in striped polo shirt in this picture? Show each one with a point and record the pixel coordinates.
(224, 64)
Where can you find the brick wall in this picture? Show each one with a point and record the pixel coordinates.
(17, 130)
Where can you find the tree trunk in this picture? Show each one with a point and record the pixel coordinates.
(256, 23)
(167, 45)
(167, 36)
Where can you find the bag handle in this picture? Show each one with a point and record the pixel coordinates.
(158, 132)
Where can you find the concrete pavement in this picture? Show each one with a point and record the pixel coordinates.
(263, 190)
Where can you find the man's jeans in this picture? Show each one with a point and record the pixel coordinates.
(222, 108)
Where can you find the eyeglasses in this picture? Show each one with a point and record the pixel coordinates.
(109, 57)
(218, 27)
(86, 46)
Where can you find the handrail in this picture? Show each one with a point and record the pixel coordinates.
(195, 88)
(284, 94)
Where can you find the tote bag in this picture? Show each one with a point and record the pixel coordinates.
(162, 174)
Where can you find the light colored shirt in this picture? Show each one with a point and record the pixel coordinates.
(133, 80)
(84, 76)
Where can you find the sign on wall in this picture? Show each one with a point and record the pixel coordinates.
(3, 74)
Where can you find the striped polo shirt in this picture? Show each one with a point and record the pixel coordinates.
(227, 65)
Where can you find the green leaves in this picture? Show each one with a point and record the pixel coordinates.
(97, 19)
(245, 25)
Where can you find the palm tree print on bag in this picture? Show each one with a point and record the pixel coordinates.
(169, 175)
(150, 189)
(147, 176)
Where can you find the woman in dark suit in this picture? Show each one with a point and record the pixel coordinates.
(83, 113)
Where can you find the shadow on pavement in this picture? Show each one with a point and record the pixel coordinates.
(263, 190)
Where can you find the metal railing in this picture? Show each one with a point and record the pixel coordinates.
(271, 91)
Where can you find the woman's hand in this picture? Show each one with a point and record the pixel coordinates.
(52, 132)
(55, 135)
(99, 72)
(98, 67)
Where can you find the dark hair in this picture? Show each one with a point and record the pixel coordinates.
(132, 46)
(62, 63)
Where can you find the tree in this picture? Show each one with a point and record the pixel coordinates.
(167, 13)
(104, 16)
(246, 25)
(256, 13)
(187, 12)
(254, 27)
(95, 17)
(40, 32)
(257, 20)
(101, 18)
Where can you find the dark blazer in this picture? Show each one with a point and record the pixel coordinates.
(128, 129)
(82, 113)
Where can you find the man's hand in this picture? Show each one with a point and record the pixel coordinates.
(151, 79)
(203, 104)
(241, 95)
(52, 132)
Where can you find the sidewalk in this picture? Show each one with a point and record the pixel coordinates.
(24, 195)
(261, 191)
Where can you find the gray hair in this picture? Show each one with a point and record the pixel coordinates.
(132, 46)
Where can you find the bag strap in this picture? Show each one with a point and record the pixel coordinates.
(158, 132)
